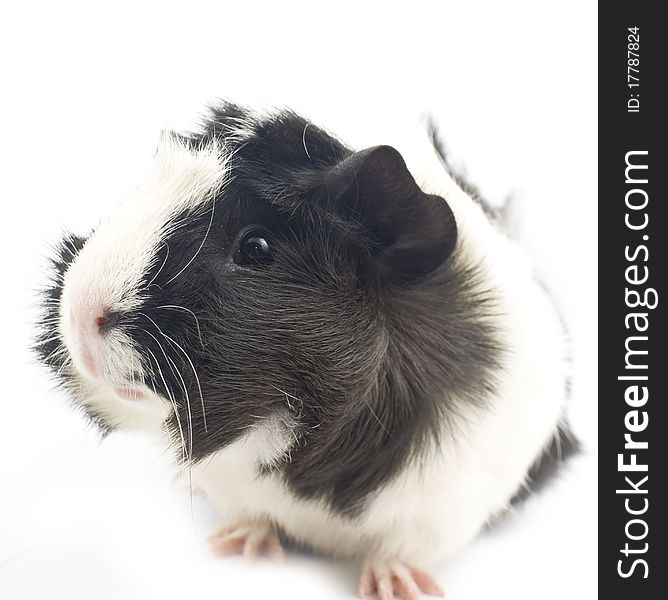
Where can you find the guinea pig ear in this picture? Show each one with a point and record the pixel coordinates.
(415, 232)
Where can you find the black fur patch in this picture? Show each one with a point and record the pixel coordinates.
(48, 345)
(458, 177)
(563, 446)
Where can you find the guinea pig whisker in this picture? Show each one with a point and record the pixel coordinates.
(376, 417)
(134, 375)
(177, 307)
(175, 371)
(287, 400)
(162, 266)
(171, 399)
(206, 235)
(192, 366)
(153, 379)
(190, 437)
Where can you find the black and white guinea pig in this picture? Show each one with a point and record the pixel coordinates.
(343, 348)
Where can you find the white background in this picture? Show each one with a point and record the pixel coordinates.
(86, 92)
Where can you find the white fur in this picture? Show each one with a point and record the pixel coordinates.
(432, 509)
(147, 415)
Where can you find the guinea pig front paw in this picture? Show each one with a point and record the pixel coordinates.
(248, 539)
(385, 579)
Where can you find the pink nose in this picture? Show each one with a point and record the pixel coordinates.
(106, 321)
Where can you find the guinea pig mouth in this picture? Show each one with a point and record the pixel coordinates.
(130, 393)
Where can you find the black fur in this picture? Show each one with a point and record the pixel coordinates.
(49, 347)
(563, 446)
(458, 177)
(367, 331)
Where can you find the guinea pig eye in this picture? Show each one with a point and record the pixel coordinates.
(255, 248)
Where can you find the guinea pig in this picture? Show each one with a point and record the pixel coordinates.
(340, 350)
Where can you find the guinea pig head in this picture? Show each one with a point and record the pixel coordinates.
(249, 279)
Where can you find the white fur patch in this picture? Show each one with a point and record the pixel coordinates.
(147, 415)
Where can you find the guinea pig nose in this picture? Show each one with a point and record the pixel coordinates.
(107, 321)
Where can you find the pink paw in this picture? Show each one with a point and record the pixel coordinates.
(387, 579)
(249, 540)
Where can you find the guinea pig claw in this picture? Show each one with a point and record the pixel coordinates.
(386, 580)
(248, 540)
